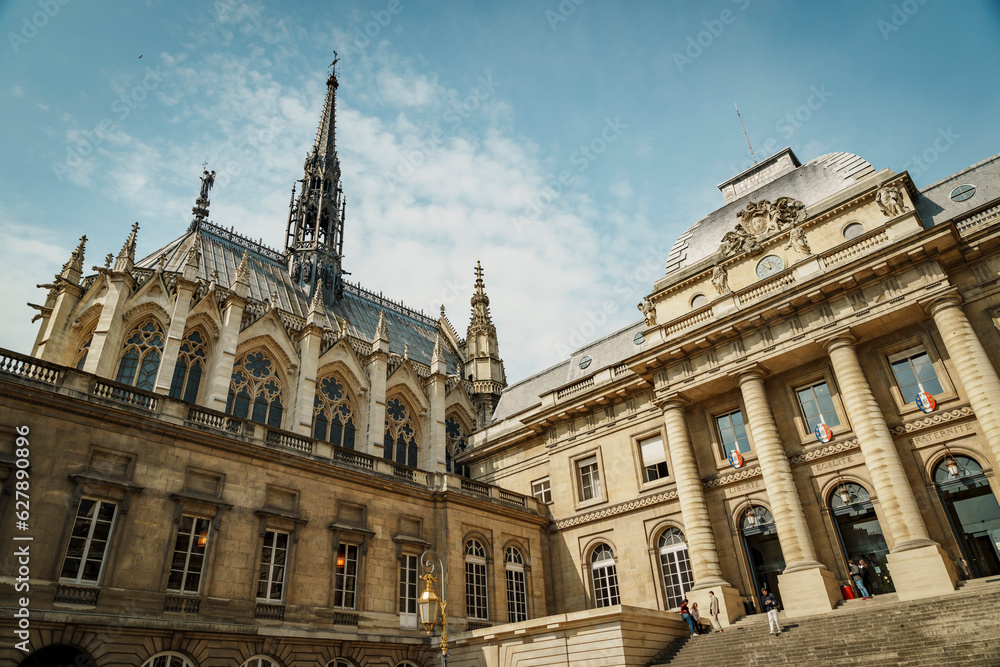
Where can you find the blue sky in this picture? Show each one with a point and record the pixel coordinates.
(565, 144)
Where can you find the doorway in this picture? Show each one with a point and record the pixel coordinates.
(973, 513)
(60, 654)
(763, 551)
(861, 534)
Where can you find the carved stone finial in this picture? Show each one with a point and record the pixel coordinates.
(126, 256)
(720, 279)
(73, 268)
(161, 262)
(316, 305)
(442, 310)
(215, 277)
(107, 260)
(890, 199)
(406, 350)
(648, 311)
(242, 276)
(381, 331)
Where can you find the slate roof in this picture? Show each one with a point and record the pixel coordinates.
(221, 250)
(934, 203)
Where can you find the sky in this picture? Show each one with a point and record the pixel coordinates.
(565, 144)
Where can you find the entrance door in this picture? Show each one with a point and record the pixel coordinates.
(60, 654)
(861, 535)
(972, 511)
(760, 540)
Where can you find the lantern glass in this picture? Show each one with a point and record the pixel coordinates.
(952, 467)
(427, 610)
(845, 495)
(751, 518)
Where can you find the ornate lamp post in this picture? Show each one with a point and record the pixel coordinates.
(429, 604)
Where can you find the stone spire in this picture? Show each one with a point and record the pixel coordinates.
(241, 281)
(193, 260)
(381, 342)
(314, 239)
(438, 363)
(126, 256)
(483, 365)
(72, 270)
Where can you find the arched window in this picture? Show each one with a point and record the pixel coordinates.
(605, 576)
(141, 356)
(517, 596)
(333, 416)
(81, 355)
(973, 512)
(260, 661)
(255, 383)
(400, 435)
(168, 659)
(340, 662)
(190, 364)
(476, 601)
(455, 435)
(675, 565)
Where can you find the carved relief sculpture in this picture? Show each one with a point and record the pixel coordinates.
(648, 312)
(759, 219)
(720, 279)
(890, 200)
(797, 242)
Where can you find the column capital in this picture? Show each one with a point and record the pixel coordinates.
(672, 400)
(843, 338)
(752, 371)
(935, 304)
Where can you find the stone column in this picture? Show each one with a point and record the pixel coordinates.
(698, 533)
(975, 371)
(806, 585)
(918, 564)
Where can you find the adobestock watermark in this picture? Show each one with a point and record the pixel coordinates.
(942, 143)
(460, 110)
(31, 25)
(788, 125)
(697, 44)
(581, 158)
(86, 141)
(364, 34)
(563, 11)
(898, 17)
(634, 284)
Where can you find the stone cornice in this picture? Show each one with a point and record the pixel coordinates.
(613, 510)
(932, 420)
(739, 476)
(823, 452)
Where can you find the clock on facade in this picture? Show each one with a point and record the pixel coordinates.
(769, 266)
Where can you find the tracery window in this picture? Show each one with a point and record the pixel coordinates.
(399, 443)
(333, 416)
(255, 383)
(476, 600)
(456, 444)
(190, 363)
(141, 356)
(517, 597)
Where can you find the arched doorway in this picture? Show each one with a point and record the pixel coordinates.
(763, 551)
(60, 654)
(861, 534)
(973, 512)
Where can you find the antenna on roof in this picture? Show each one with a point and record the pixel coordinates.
(745, 133)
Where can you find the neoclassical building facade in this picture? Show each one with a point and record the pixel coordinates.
(235, 457)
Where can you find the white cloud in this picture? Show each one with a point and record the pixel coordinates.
(17, 91)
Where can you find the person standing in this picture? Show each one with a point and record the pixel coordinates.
(866, 576)
(713, 612)
(770, 604)
(696, 615)
(858, 580)
(686, 615)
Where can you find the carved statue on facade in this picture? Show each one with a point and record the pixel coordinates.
(739, 241)
(720, 279)
(306, 270)
(648, 312)
(296, 269)
(759, 219)
(207, 181)
(890, 200)
(797, 242)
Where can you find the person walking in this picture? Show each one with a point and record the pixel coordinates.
(686, 615)
(770, 604)
(859, 582)
(713, 611)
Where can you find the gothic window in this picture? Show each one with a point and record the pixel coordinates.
(476, 606)
(400, 435)
(190, 364)
(255, 390)
(456, 445)
(517, 598)
(604, 575)
(81, 355)
(141, 356)
(333, 416)
(675, 566)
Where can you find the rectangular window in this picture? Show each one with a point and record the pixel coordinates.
(408, 591)
(542, 491)
(914, 371)
(189, 555)
(654, 458)
(346, 582)
(732, 433)
(475, 590)
(517, 597)
(590, 478)
(271, 584)
(817, 406)
(88, 544)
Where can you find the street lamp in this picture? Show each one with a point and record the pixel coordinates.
(951, 463)
(844, 491)
(429, 603)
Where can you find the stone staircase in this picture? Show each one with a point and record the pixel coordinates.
(958, 629)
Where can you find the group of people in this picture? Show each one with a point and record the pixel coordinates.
(861, 574)
(693, 617)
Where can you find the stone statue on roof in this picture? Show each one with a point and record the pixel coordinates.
(890, 199)
(207, 181)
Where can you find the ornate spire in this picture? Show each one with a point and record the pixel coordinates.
(326, 134)
(72, 270)
(438, 363)
(126, 256)
(241, 281)
(481, 305)
(381, 342)
(483, 365)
